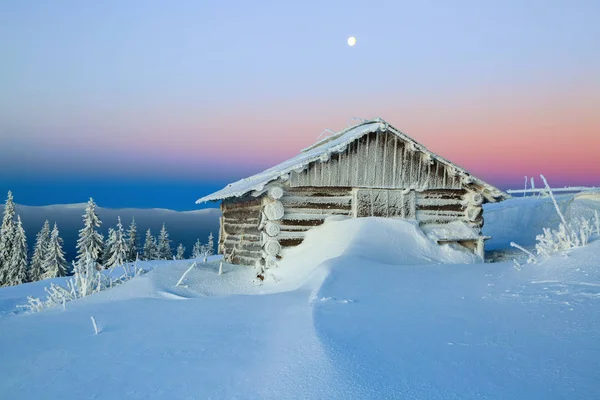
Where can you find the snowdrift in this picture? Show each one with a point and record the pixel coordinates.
(520, 219)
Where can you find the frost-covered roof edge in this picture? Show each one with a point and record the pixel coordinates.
(337, 143)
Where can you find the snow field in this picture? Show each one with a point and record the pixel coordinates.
(366, 308)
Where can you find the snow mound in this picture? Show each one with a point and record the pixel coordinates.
(382, 240)
(521, 219)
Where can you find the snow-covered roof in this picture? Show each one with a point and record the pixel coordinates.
(321, 150)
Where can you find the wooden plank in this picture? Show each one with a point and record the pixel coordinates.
(285, 243)
(238, 229)
(291, 221)
(314, 201)
(445, 207)
(290, 235)
(246, 201)
(295, 228)
(246, 246)
(247, 261)
(442, 193)
(290, 211)
(319, 191)
(241, 214)
(238, 238)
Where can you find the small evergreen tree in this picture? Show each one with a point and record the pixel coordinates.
(90, 241)
(197, 250)
(55, 263)
(180, 252)
(132, 242)
(108, 246)
(210, 246)
(17, 266)
(36, 268)
(119, 247)
(7, 231)
(150, 248)
(164, 245)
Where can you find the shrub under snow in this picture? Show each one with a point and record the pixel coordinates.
(87, 279)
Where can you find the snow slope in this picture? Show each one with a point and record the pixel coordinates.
(363, 309)
(520, 219)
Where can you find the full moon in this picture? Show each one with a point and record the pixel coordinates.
(351, 41)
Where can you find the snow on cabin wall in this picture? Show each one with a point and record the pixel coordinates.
(378, 160)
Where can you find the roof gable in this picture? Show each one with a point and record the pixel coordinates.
(337, 143)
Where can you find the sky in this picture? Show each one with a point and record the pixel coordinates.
(154, 104)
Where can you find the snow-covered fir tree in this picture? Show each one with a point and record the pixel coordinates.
(108, 246)
(55, 263)
(197, 250)
(119, 247)
(180, 252)
(7, 231)
(36, 268)
(210, 246)
(16, 272)
(150, 248)
(132, 242)
(90, 241)
(164, 245)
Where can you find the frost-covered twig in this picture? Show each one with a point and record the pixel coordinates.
(597, 221)
(180, 281)
(96, 330)
(525, 189)
(532, 258)
(221, 268)
(560, 214)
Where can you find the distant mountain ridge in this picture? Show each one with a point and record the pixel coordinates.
(183, 226)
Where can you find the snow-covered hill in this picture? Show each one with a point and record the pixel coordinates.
(363, 309)
(183, 226)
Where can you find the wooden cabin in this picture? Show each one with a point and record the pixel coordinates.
(370, 169)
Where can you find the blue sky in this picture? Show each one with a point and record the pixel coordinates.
(186, 96)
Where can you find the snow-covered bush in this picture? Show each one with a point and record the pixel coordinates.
(575, 234)
(87, 279)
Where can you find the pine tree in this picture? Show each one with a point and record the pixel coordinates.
(90, 240)
(210, 246)
(119, 247)
(164, 245)
(197, 250)
(150, 248)
(180, 252)
(16, 272)
(132, 242)
(36, 268)
(55, 263)
(7, 231)
(108, 247)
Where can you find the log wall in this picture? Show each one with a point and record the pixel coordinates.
(306, 207)
(240, 238)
